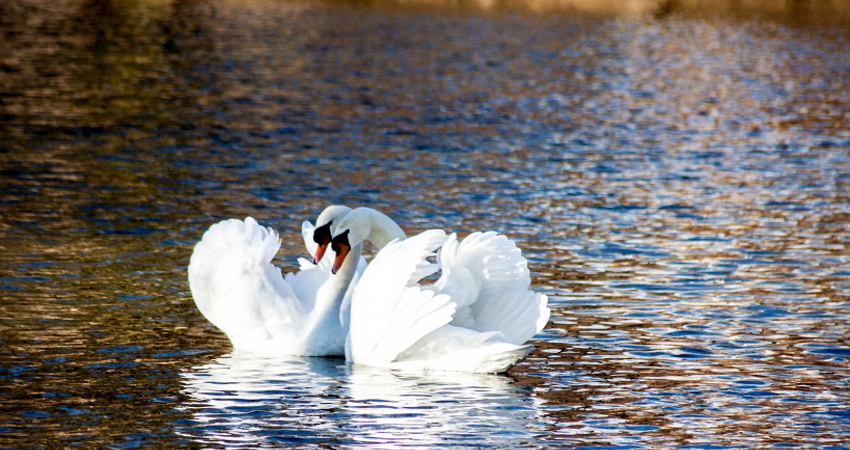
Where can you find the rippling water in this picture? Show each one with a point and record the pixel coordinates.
(678, 179)
(321, 401)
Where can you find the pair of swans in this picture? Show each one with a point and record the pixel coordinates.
(475, 317)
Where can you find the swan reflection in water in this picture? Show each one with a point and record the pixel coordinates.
(247, 400)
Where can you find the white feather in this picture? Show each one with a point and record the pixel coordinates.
(489, 278)
(238, 289)
(475, 318)
(389, 311)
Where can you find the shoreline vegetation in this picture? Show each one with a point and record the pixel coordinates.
(794, 10)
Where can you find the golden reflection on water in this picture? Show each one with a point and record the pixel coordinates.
(677, 178)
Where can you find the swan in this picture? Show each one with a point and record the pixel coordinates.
(237, 288)
(476, 317)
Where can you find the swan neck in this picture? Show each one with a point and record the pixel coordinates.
(383, 230)
(346, 272)
(329, 302)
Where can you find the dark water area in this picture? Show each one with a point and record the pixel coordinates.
(678, 177)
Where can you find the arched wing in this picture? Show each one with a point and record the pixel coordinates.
(389, 310)
(236, 287)
(489, 278)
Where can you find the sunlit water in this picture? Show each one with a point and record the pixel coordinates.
(678, 180)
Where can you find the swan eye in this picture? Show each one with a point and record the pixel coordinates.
(322, 234)
(341, 240)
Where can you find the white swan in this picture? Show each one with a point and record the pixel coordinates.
(239, 290)
(475, 318)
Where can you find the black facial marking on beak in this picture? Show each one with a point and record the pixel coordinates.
(321, 236)
(341, 247)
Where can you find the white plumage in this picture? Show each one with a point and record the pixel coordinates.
(475, 318)
(238, 289)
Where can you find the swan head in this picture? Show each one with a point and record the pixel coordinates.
(357, 226)
(341, 245)
(322, 233)
(349, 232)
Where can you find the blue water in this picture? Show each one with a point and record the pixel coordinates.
(677, 177)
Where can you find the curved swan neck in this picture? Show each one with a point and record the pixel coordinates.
(384, 230)
(332, 293)
(369, 224)
(329, 300)
(342, 278)
(331, 214)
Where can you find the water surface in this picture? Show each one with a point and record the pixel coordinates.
(677, 177)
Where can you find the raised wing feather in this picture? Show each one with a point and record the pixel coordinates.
(489, 279)
(389, 312)
(236, 287)
(419, 312)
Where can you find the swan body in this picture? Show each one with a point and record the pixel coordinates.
(475, 318)
(237, 288)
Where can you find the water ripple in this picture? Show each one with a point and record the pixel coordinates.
(322, 401)
(676, 177)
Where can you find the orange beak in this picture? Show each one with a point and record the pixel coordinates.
(320, 253)
(322, 237)
(341, 252)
